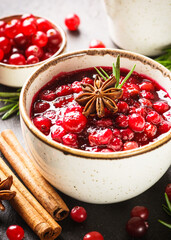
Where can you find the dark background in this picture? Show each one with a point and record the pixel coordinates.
(109, 219)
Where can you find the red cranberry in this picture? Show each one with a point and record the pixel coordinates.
(78, 214)
(43, 124)
(127, 134)
(147, 86)
(47, 95)
(147, 95)
(145, 102)
(161, 106)
(116, 133)
(106, 150)
(168, 191)
(93, 236)
(125, 95)
(141, 137)
(96, 44)
(164, 127)
(43, 24)
(153, 117)
(130, 145)
(140, 211)
(20, 40)
(12, 28)
(34, 50)
(72, 21)
(74, 108)
(133, 90)
(74, 122)
(27, 16)
(28, 27)
(150, 130)
(17, 59)
(63, 90)
(15, 232)
(40, 39)
(5, 44)
(142, 111)
(116, 144)
(1, 54)
(32, 59)
(62, 101)
(54, 37)
(104, 122)
(76, 87)
(70, 139)
(122, 121)
(122, 107)
(87, 80)
(57, 132)
(46, 55)
(101, 137)
(136, 122)
(136, 227)
(40, 107)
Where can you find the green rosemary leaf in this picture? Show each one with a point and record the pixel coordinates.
(114, 70)
(165, 224)
(105, 73)
(6, 100)
(167, 201)
(166, 209)
(127, 76)
(9, 94)
(100, 74)
(12, 110)
(7, 107)
(117, 70)
(165, 58)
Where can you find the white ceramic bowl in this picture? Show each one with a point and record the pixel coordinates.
(15, 76)
(89, 176)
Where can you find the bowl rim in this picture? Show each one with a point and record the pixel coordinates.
(77, 152)
(60, 50)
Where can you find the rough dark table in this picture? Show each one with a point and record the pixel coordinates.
(109, 219)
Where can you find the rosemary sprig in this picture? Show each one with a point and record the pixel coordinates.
(167, 209)
(116, 73)
(11, 103)
(165, 58)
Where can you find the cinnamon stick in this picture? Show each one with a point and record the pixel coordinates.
(30, 215)
(55, 227)
(33, 182)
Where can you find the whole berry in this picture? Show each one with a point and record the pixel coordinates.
(96, 44)
(17, 59)
(93, 236)
(164, 127)
(5, 44)
(140, 211)
(168, 191)
(28, 27)
(15, 232)
(136, 122)
(101, 137)
(34, 50)
(74, 122)
(32, 59)
(40, 39)
(70, 140)
(153, 117)
(43, 24)
(160, 106)
(122, 121)
(43, 124)
(78, 214)
(72, 21)
(41, 106)
(53, 37)
(12, 28)
(57, 132)
(116, 144)
(130, 145)
(136, 227)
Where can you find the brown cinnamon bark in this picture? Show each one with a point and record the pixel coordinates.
(56, 228)
(32, 179)
(33, 218)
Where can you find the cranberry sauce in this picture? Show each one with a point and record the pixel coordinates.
(143, 113)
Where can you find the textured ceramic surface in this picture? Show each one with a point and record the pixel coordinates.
(140, 26)
(95, 177)
(15, 76)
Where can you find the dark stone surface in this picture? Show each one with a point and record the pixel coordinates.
(109, 219)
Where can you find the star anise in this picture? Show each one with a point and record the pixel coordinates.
(102, 95)
(5, 192)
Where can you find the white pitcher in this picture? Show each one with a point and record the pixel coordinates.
(142, 26)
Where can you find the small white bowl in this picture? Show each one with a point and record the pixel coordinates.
(16, 75)
(90, 176)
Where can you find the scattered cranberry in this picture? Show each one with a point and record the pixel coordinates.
(17, 59)
(160, 106)
(116, 144)
(96, 44)
(72, 21)
(136, 122)
(78, 214)
(164, 127)
(43, 124)
(130, 145)
(168, 191)
(74, 122)
(93, 236)
(15, 232)
(101, 137)
(136, 227)
(140, 211)
(153, 117)
(147, 86)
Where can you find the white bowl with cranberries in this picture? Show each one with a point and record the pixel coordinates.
(26, 42)
(98, 155)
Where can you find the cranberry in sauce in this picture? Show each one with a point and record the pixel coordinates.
(143, 114)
